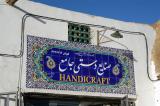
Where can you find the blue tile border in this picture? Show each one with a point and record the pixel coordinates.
(36, 78)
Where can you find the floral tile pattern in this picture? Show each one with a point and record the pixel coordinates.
(47, 69)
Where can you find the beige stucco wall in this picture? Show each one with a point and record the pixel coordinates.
(156, 49)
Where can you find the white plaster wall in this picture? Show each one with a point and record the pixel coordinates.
(10, 32)
(157, 94)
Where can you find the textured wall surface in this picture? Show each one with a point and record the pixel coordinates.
(156, 49)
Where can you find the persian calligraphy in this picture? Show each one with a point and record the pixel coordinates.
(61, 65)
(81, 67)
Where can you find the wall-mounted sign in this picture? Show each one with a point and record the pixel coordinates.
(60, 65)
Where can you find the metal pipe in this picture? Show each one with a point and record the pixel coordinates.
(62, 20)
(8, 93)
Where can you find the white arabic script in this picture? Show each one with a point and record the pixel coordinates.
(68, 64)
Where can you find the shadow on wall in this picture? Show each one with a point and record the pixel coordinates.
(156, 49)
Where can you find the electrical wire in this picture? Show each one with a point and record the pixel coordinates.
(109, 28)
(61, 20)
(67, 21)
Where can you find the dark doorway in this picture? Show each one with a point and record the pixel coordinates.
(39, 100)
(56, 100)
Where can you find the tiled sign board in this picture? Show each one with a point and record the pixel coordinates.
(61, 65)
